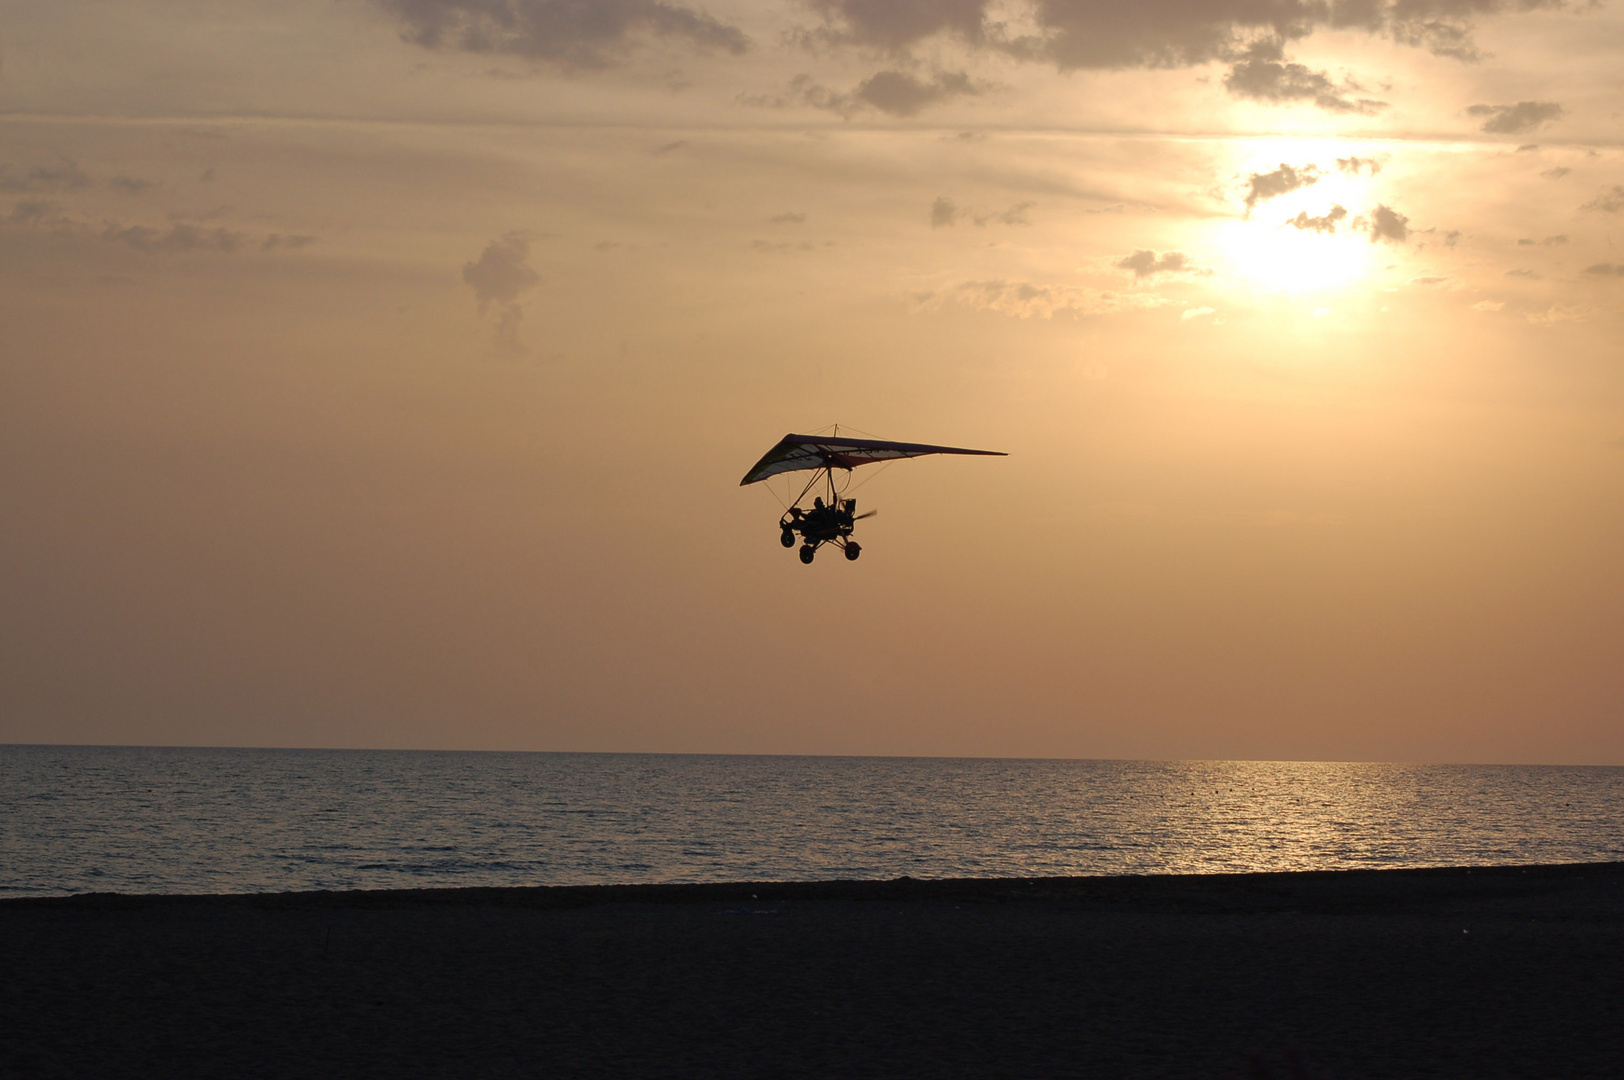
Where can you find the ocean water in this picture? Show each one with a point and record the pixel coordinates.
(173, 820)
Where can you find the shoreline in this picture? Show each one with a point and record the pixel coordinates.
(1263, 887)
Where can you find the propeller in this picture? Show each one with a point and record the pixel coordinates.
(870, 514)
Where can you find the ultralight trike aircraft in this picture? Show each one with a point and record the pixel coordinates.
(831, 519)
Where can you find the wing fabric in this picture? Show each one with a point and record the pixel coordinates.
(795, 452)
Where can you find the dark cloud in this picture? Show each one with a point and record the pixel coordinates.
(33, 211)
(1515, 119)
(1145, 263)
(1555, 174)
(499, 277)
(1168, 33)
(788, 217)
(943, 211)
(501, 274)
(898, 93)
(1267, 76)
(575, 33)
(1353, 165)
(1015, 215)
(131, 184)
(63, 176)
(1608, 202)
(1552, 241)
(1388, 224)
(902, 94)
(671, 147)
(1075, 34)
(178, 237)
(291, 242)
(1263, 186)
(1525, 242)
(1528, 148)
(1325, 223)
(1521, 273)
(1606, 270)
(894, 25)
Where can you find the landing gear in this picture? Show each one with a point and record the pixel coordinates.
(806, 553)
(788, 539)
(852, 551)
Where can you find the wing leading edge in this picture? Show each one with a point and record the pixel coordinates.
(795, 452)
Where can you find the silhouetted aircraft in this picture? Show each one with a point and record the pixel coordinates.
(832, 520)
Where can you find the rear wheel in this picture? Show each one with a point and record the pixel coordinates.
(852, 551)
(788, 539)
(806, 553)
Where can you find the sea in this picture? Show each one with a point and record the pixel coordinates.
(183, 820)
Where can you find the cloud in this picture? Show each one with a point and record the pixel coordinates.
(1353, 165)
(1522, 274)
(1552, 241)
(670, 147)
(1145, 263)
(499, 277)
(1025, 300)
(1556, 313)
(174, 238)
(1515, 119)
(788, 217)
(895, 26)
(133, 185)
(943, 211)
(897, 93)
(64, 176)
(1325, 223)
(1488, 305)
(573, 33)
(33, 211)
(1606, 270)
(1195, 313)
(1608, 202)
(279, 240)
(1388, 224)
(1015, 215)
(1262, 186)
(1266, 77)
(901, 94)
(178, 237)
(501, 274)
(1556, 174)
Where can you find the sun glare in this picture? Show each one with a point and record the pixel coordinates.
(1308, 239)
(1281, 258)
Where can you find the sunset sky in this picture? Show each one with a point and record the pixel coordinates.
(380, 373)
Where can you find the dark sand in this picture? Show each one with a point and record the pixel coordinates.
(1449, 973)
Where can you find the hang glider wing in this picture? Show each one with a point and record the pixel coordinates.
(795, 452)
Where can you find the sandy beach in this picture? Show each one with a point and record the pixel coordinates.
(1513, 972)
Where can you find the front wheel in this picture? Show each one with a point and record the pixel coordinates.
(852, 551)
(788, 539)
(806, 553)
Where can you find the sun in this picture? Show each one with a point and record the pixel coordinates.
(1309, 239)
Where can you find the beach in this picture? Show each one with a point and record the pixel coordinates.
(1480, 972)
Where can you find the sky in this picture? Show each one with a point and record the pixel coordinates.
(380, 373)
